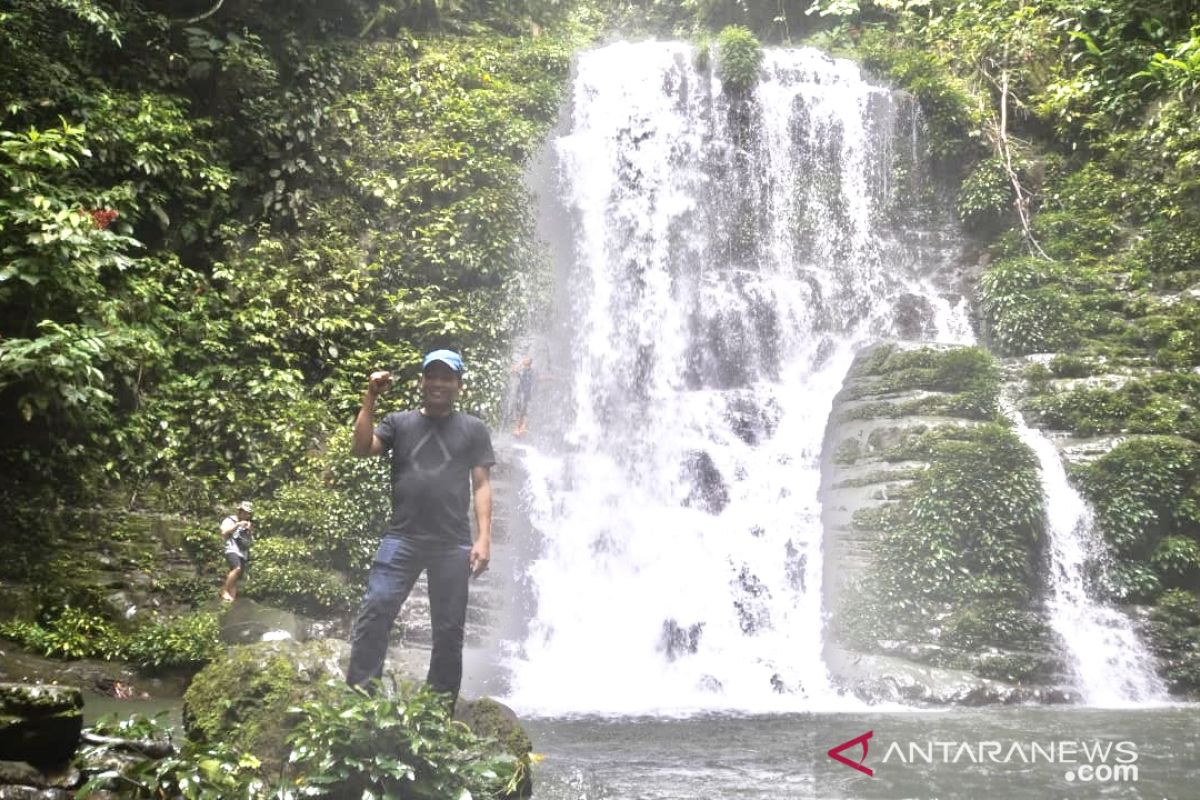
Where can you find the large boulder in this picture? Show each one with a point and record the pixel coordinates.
(932, 511)
(490, 719)
(242, 699)
(39, 724)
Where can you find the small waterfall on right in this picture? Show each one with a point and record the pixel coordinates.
(1110, 663)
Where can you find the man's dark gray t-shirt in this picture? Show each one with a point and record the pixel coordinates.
(432, 459)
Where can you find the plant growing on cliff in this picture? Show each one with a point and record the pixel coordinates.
(972, 521)
(739, 56)
(1143, 491)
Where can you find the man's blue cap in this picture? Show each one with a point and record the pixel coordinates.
(448, 357)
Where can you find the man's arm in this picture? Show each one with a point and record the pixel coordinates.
(365, 442)
(228, 526)
(481, 551)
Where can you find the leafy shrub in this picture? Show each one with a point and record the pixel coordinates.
(1068, 366)
(1175, 637)
(407, 746)
(71, 633)
(1140, 489)
(187, 641)
(195, 772)
(971, 524)
(986, 195)
(1027, 307)
(1179, 607)
(739, 57)
(950, 108)
(284, 571)
(337, 507)
(347, 745)
(1176, 556)
(1084, 410)
(1131, 581)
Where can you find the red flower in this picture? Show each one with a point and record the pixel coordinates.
(103, 217)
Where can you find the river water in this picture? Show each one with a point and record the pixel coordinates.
(975, 754)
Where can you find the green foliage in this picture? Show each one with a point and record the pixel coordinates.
(215, 232)
(1026, 307)
(739, 56)
(1131, 582)
(1142, 491)
(986, 195)
(951, 109)
(196, 772)
(1177, 557)
(283, 572)
(407, 746)
(336, 508)
(188, 641)
(969, 376)
(71, 633)
(971, 524)
(1175, 637)
(1162, 404)
(347, 744)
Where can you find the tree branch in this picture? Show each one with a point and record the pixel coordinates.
(1003, 147)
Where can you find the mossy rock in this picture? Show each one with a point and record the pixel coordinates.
(39, 724)
(489, 719)
(243, 699)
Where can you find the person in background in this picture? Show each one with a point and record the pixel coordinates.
(440, 459)
(238, 531)
(524, 371)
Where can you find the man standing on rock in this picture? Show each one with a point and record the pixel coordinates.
(238, 531)
(439, 458)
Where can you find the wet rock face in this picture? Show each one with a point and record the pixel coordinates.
(39, 724)
(897, 430)
(709, 492)
(677, 641)
(752, 420)
(913, 317)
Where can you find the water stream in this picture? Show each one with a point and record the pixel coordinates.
(1112, 667)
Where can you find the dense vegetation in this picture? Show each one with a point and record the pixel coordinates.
(213, 227)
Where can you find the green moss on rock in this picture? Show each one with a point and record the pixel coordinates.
(1144, 490)
(246, 698)
(1175, 637)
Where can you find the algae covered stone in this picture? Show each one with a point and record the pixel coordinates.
(244, 698)
(39, 723)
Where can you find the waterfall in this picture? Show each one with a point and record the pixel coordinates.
(1111, 666)
(725, 258)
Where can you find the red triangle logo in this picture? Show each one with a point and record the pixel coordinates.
(836, 752)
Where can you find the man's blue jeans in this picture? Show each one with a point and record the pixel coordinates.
(398, 563)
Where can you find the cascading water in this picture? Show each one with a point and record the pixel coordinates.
(728, 258)
(1112, 667)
